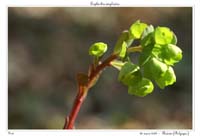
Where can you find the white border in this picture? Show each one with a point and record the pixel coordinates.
(85, 3)
(196, 67)
(3, 68)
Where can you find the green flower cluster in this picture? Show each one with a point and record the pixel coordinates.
(158, 53)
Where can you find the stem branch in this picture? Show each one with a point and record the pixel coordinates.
(82, 92)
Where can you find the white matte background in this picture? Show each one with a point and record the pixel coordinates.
(4, 4)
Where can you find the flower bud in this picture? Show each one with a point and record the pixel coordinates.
(97, 49)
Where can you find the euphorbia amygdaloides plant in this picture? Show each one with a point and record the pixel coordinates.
(158, 55)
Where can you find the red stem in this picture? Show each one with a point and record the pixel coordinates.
(69, 123)
(82, 92)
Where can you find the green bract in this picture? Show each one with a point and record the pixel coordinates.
(169, 54)
(154, 68)
(163, 35)
(129, 74)
(137, 29)
(168, 78)
(98, 49)
(158, 51)
(172, 54)
(141, 88)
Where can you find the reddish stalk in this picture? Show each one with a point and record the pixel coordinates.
(82, 92)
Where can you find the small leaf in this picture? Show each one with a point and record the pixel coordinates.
(148, 30)
(142, 88)
(118, 46)
(129, 74)
(129, 42)
(168, 78)
(123, 50)
(97, 49)
(163, 35)
(137, 29)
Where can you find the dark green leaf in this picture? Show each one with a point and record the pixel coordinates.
(146, 54)
(148, 30)
(148, 40)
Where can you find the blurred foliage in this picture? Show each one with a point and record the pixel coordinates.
(47, 47)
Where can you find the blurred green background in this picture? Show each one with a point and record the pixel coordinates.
(47, 47)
